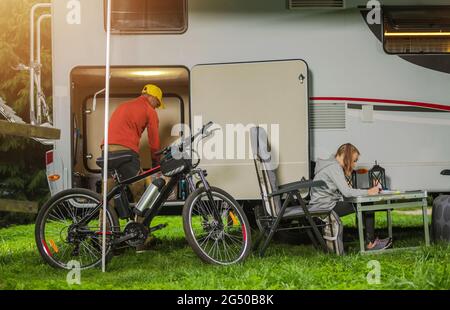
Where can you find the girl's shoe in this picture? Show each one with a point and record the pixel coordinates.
(379, 244)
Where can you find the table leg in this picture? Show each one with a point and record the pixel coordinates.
(360, 228)
(389, 220)
(425, 221)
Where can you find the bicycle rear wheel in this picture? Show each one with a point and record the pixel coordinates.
(61, 241)
(218, 231)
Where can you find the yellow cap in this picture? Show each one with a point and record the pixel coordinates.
(154, 91)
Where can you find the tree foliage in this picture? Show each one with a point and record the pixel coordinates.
(22, 174)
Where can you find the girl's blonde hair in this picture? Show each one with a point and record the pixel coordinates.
(348, 150)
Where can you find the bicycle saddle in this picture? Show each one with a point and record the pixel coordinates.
(445, 172)
(114, 160)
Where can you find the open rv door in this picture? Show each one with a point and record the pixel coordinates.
(241, 95)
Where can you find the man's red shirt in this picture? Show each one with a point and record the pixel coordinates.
(129, 121)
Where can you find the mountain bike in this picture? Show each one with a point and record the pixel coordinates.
(68, 226)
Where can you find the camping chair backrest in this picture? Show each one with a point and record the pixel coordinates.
(267, 178)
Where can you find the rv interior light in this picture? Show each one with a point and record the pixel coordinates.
(148, 73)
(417, 34)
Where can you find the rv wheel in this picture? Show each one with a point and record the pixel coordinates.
(441, 218)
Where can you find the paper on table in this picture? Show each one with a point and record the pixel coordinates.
(385, 191)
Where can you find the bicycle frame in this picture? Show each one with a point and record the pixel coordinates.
(165, 192)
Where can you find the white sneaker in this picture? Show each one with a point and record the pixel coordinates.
(333, 233)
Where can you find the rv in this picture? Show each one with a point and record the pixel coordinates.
(324, 72)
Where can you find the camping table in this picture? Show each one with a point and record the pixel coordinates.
(389, 202)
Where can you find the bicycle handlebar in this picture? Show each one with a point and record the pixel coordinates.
(188, 139)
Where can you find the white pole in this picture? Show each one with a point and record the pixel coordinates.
(38, 63)
(106, 145)
(33, 11)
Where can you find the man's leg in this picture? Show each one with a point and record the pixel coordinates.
(137, 189)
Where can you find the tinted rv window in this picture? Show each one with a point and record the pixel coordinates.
(148, 16)
(418, 30)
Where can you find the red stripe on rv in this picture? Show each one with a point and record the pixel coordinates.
(433, 106)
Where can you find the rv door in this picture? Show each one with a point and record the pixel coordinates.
(237, 96)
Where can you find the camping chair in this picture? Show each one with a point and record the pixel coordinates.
(274, 214)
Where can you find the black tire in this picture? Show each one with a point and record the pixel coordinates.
(235, 220)
(51, 206)
(441, 218)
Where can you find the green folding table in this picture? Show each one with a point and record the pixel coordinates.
(389, 202)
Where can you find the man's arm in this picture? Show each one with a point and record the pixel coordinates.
(153, 136)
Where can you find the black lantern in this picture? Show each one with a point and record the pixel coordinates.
(377, 175)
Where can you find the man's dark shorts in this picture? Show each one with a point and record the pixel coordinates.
(130, 169)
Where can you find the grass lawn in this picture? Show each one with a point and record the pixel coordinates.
(173, 265)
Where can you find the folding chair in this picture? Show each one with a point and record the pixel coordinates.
(274, 214)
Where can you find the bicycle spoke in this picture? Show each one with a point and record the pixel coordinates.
(57, 218)
(216, 226)
(89, 251)
(61, 219)
(69, 211)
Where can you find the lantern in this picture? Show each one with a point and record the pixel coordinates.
(377, 174)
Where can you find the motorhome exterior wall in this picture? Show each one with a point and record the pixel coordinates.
(359, 3)
(346, 60)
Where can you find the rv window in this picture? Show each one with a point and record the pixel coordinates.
(148, 16)
(418, 30)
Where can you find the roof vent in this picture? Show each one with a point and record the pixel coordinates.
(302, 4)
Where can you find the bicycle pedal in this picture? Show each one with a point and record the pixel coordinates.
(158, 227)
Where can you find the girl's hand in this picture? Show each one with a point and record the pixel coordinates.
(374, 191)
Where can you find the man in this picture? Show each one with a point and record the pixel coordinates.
(127, 124)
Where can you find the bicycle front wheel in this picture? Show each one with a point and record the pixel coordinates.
(217, 230)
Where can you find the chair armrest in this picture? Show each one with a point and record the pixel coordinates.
(283, 186)
(293, 187)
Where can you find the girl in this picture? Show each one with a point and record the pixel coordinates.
(333, 171)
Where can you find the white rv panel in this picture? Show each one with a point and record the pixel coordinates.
(272, 94)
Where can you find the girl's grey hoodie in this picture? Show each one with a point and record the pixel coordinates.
(331, 172)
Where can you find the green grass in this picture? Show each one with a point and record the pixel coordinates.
(173, 265)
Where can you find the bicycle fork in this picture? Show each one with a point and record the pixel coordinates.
(202, 175)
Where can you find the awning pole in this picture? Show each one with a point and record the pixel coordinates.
(106, 144)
